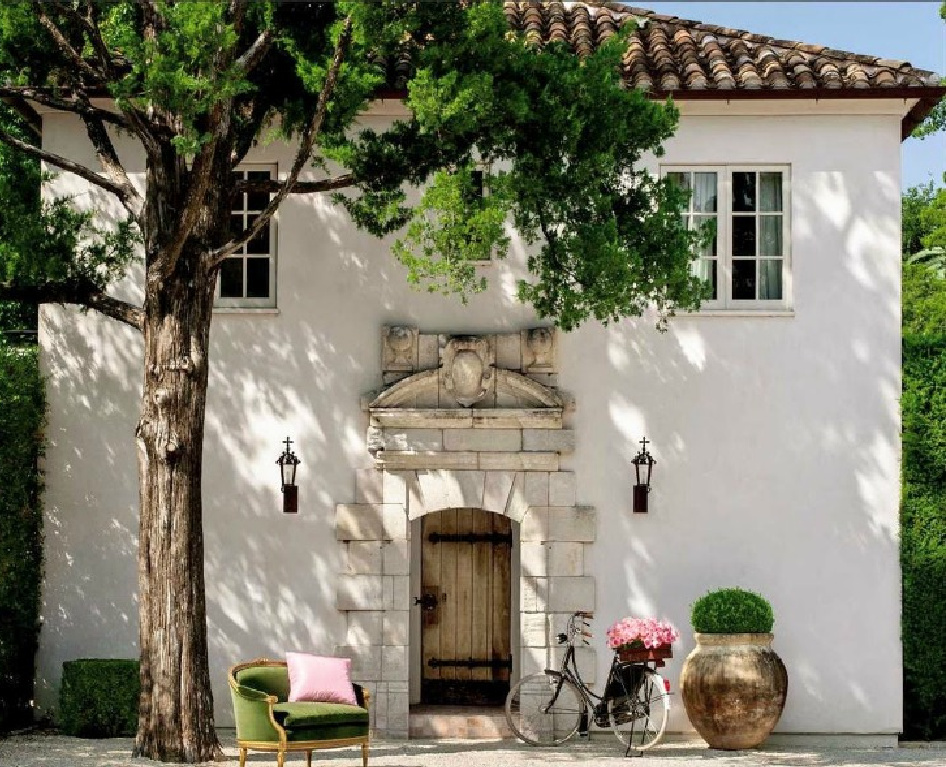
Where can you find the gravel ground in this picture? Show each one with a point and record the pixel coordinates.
(47, 750)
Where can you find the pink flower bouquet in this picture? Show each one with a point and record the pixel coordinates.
(641, 633)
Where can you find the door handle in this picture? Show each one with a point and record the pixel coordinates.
(427, 602)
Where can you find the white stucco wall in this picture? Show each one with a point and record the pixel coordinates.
(777, 438)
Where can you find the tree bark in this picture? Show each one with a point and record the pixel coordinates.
(176, 707)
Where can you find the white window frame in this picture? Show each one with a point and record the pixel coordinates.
(484, 168)
(724, 214)
(254, 303)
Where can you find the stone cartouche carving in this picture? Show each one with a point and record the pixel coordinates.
(540, 350)
(467, 369)
(400, 348)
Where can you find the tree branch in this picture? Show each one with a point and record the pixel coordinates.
(84, 295)
(255, 53)
(131, 118)
(91, 23)
(307, 142)
(237, 12)
(64, 45)
(274, 186)
(201, 171)
(108, 157)
(47, 99)
(68, 165)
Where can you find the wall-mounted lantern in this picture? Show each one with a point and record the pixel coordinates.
(287, 467)
(643, 468)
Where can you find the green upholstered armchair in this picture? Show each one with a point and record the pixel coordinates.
(266, 721)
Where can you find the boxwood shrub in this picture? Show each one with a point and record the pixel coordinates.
(22, 411)
(732, 611)
(99, 697)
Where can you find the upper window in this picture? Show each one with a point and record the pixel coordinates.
(248, 277)
(746, 261)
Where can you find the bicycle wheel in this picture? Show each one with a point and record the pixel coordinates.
(639, 721)
(544, 709)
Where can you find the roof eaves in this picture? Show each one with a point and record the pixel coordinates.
(927, 96)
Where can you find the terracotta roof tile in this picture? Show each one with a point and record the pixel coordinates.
(667, 53)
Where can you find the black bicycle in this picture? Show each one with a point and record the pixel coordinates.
(548, 708)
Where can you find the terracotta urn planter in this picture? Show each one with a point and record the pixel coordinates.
(733, 688)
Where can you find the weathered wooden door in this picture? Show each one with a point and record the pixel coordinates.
(465, 607)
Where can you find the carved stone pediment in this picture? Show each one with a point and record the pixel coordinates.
(466, 375)
(528, 393)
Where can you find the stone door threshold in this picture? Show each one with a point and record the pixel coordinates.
(458, 722)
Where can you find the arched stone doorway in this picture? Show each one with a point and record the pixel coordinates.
(500, 452)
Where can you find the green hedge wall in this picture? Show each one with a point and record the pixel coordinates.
(923, 533)
(22, 410)
(99, 697)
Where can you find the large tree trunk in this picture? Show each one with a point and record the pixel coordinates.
(176, 708)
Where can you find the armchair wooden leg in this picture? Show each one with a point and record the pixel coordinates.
(280, 758)
(308, 759)
(242, 757)
(364, 754)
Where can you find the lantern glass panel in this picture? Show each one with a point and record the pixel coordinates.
(288, 473)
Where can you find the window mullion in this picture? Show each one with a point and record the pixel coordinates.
(758, 235)
(725, 215)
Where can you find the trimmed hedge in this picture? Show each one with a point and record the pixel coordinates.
(732, 611)
(22, 409)
(99, 698)
(923, 532)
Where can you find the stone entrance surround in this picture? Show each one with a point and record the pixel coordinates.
(464, 422)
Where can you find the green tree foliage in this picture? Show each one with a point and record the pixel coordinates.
(923, 508)
(936, 120)
(197, 84)
(560, 136)
(916, 202)
(21, 421)
(924, 227)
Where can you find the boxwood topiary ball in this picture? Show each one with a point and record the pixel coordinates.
(732, 611)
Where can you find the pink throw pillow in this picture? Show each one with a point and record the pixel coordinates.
(314, 678)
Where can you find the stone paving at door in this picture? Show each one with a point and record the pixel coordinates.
(45, 750)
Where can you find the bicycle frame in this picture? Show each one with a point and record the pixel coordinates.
(596, 704)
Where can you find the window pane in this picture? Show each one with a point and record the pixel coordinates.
(705, 269)
(699, 222)
(679, 179)
(260, 243)
(743, 237)
(478, 178)
(770, 280)
(704, 192)
(231, 278)
(743, 191)
(743, 280)
(770, 236)
(770, 194)
(257, 200)
(257, 278)
(236, 224)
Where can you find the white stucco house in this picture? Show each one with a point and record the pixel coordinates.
(773, 414)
